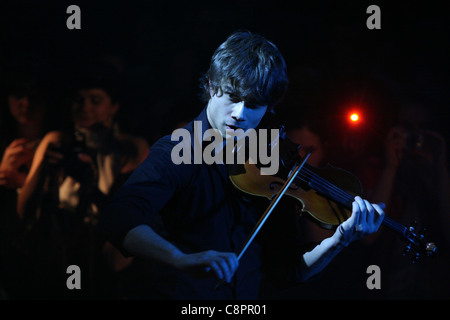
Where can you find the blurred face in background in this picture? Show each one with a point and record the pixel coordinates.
(93, 106)
(25, 110)
(306, 138)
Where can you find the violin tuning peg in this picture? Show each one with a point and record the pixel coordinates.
(430, 248)
(407, 250)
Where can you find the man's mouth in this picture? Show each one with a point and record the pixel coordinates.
(231, 127)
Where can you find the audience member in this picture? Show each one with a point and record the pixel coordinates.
(72, 174)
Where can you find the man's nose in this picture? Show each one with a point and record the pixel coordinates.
(238, 113)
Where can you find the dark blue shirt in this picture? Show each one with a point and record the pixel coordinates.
(195, 207)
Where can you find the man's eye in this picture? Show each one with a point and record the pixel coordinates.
(254, 106)
(234, 98)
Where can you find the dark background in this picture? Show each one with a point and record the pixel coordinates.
(163, 47)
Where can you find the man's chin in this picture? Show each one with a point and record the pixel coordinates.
(234, 134)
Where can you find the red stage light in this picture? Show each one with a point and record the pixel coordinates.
(354, 117)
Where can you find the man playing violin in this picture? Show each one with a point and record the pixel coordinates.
(184, 223)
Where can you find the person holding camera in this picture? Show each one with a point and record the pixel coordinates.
(413, 180)
(72, 174)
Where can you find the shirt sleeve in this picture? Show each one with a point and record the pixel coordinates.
(146, 191)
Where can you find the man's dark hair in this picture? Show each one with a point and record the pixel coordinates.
(249, 68)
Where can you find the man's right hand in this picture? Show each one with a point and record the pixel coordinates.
(222, 264)
(144, 242)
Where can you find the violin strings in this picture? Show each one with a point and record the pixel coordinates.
(394, 225)
(326, 184)
(340, 194)
(331, 188)
(307, 176)
(349, 198)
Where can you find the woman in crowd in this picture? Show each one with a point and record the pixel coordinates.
(72, 174)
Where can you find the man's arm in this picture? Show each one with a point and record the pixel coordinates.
(144, 242)
(366, 218)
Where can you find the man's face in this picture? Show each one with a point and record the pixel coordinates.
(227, 115)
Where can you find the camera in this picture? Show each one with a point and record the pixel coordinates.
(73, 166)
(414, 140)
(424, 143)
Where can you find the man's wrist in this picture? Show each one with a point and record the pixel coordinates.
(177, 259)
(340, 238)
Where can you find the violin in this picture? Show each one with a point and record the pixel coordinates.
(325, 194)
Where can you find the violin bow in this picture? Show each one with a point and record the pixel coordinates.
(273, 203)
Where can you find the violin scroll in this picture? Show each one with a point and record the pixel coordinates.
(416, 247)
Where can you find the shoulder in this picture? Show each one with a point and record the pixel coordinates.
(165, 143)
(52, 137)
(160, 163)
(161, 150)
